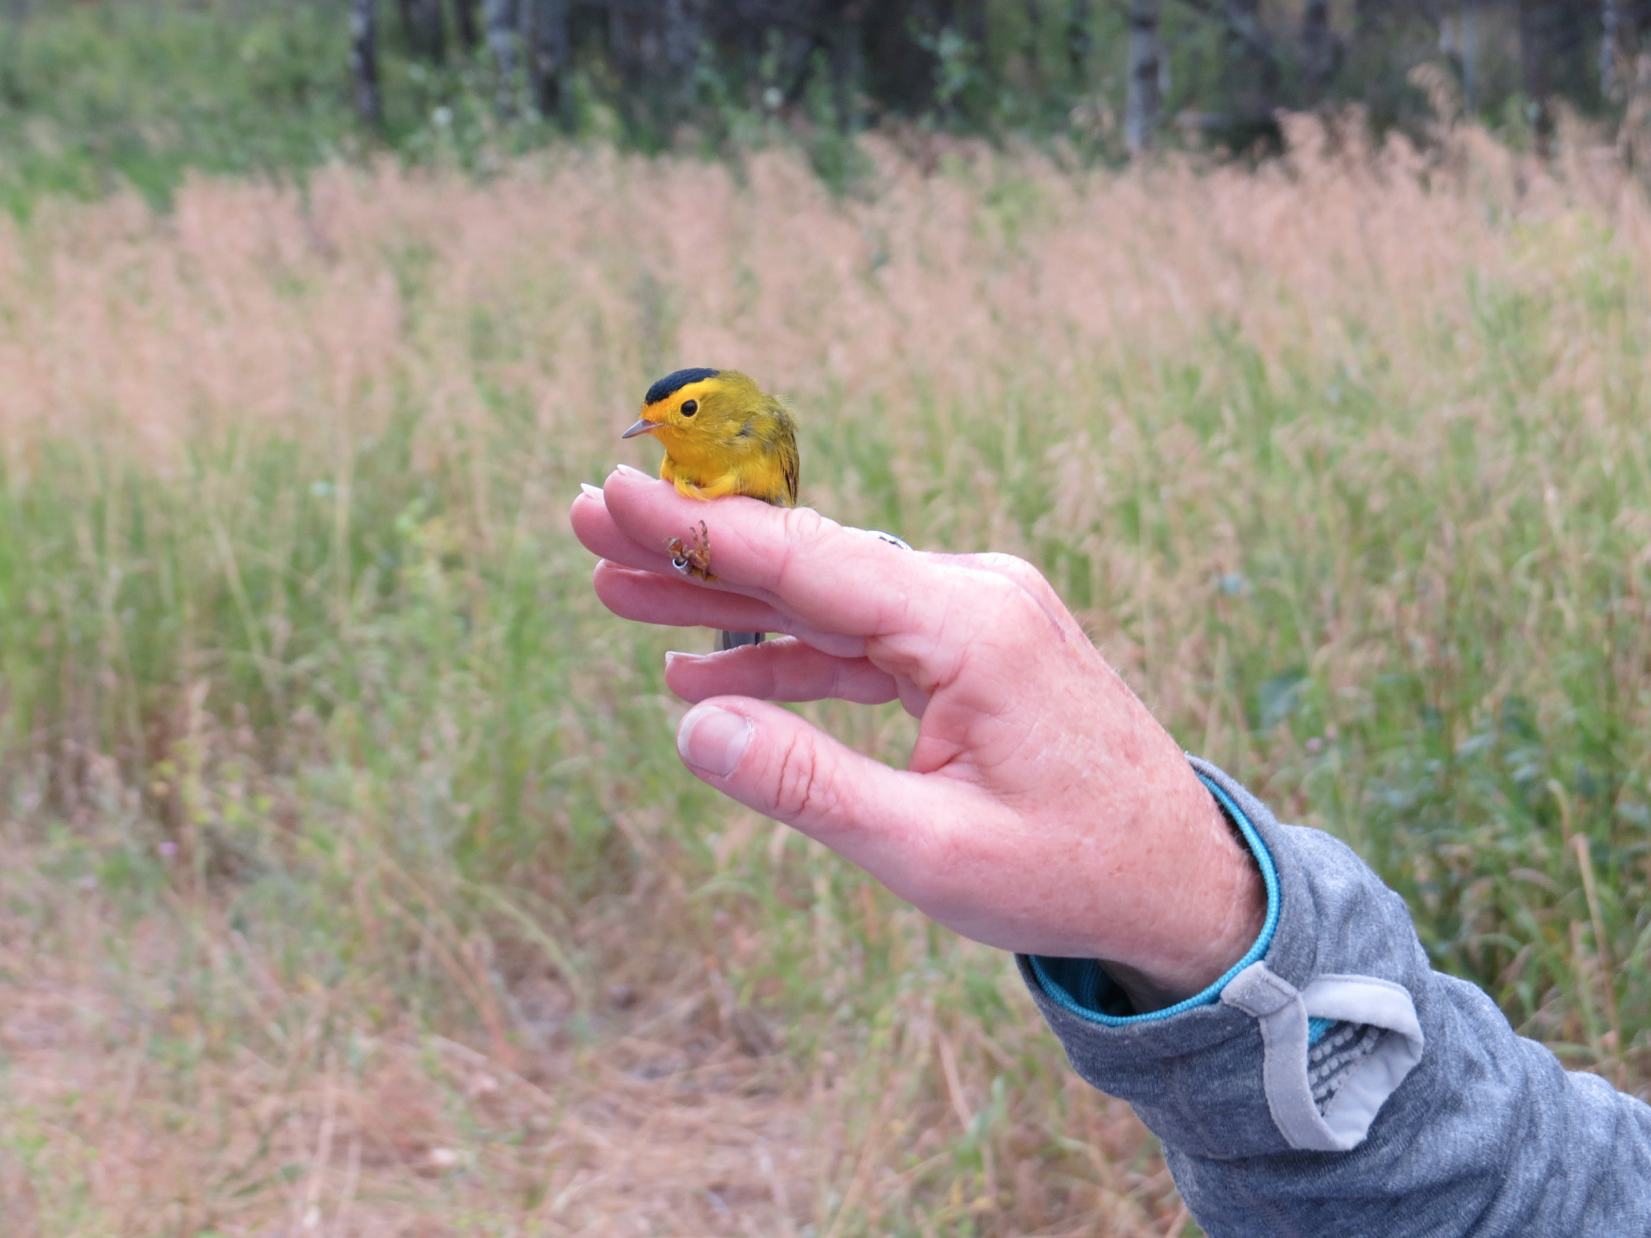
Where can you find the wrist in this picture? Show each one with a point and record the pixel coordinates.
(1216, 917)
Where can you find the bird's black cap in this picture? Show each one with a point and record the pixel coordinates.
(673, 383)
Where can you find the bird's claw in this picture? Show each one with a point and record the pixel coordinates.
(692, 558)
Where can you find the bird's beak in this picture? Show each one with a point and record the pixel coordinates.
(642, 426)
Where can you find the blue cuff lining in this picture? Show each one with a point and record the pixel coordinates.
(1082, 987)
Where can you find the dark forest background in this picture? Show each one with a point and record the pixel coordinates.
(94, 93)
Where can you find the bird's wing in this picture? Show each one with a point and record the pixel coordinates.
(785, 446)
(791, 465)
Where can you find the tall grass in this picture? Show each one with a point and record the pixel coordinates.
(353, 885)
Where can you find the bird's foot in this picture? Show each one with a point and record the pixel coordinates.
(692, 558)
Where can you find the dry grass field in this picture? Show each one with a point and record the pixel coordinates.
(351, 885)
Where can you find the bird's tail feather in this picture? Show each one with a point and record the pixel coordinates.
(733, 640)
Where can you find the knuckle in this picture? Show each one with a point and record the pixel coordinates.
(803, 524)
(1019, 596)
(1005, 601)
(801, 529)
(1012, 566)
(1023, 574)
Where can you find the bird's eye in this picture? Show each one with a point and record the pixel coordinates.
(690, 407)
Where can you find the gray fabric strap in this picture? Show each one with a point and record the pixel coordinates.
(1282, 1012)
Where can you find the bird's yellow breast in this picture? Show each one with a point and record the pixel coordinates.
(717, 469)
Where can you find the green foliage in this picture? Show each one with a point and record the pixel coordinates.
(95, 96)
(99, 96)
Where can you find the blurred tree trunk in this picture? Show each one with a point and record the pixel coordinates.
(956, 47)
(1145, 58)
(500, 16)
(464, 16)
(900, 69)
(1552, 57)
(957, 58)
(1370, 16)
(1319, 49)
(625, 46)
(1079, 44)
(1623, 28)
(970, 19)
(1534, 20)
(1634, 133)
(429, 37)
(545, 34)
(1470, 51)
(1553, 36)
(369, 105)
(1252, 68)
(655, 46)
(684, 35)
(847, 56)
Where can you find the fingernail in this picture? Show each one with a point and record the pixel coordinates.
(713, 739)
(630, 472)
(595, 492)
(671, 655)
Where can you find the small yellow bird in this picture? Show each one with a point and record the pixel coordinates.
(722, 435)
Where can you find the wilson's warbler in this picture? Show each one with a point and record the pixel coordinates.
(722, 435)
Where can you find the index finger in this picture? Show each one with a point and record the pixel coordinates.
(842, 579)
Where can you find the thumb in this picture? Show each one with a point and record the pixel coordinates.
(769, 759)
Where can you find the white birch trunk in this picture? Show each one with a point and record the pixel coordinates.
(500, 19)
(1145, 57)
(684, 33)
(1472, 42)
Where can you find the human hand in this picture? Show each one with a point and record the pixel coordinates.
(1043, 809)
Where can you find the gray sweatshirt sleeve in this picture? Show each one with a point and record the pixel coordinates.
(1335, 1083)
